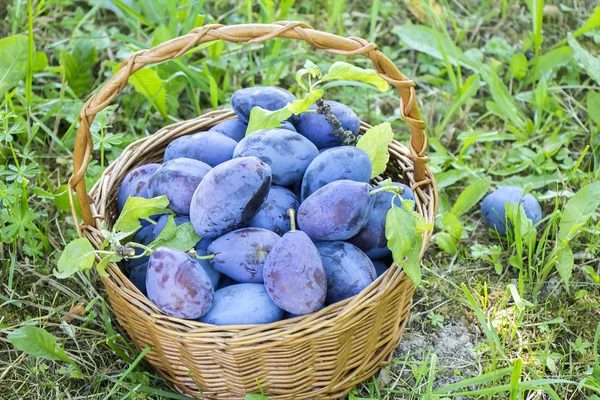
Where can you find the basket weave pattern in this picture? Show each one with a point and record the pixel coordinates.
(321, 355)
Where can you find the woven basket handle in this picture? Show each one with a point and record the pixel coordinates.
(249, 33)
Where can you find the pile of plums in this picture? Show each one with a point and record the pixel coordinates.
(255, 263)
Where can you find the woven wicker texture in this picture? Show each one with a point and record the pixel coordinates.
(321, 355)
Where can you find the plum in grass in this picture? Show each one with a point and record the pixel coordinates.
(243, 304)
(241, 254)
(294, 274)
(316, 128)
(270, 98)
(233, 128)
(337, 211)
(136, 183)
(337, 163)
(229, 196)
(178, 179)
(494, 213)
(371, 239)
(288, 153)
(273, 213)
(211, 148)
(347, 268)
(177, 284)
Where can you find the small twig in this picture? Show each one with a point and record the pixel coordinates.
(346, 137)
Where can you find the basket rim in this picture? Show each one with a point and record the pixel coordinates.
(118, 282)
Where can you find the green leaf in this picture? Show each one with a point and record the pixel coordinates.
(592, 23)
(265, 119)
(147, 82)
(253, 396)
(101, 266)
(310, 68)
(578, 210)
(37, 342)
(588, 62)
(446, 242)
(403, 230)
(470, 196)
(375, 143)
(452, 225)
(13, 61)
(182, 237)
(139, 207)
(343, 71)
(593, 105)
(518, 66)
(449, 178)
(554, 59)
(564, 263)
(77, 256)
(78, 67)
(467, 91)
(535, 181)
(41, 61)
(303, 104)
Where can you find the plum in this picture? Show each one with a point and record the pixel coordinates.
(288, 153)
(347, 268)
(288, 125)
(241, 254)
(316, 128)
(380, 267)
(202, 244)
(371, 239)
(135, 184)
(178, 179)
(177, 284)
(232, 128)
(294, 274)
(494, 213)
(243, 304)
(273, 213)
(337, 211)
(267, 97)
(211, 148)
(229, 196)
(213, 274)
(334, 164)
(137, 276)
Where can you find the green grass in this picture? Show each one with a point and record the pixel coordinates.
(494, 118)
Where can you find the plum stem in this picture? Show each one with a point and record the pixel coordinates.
(393, 189)
(292, 214)
(141, 246)
(192, 252)
(346, 137)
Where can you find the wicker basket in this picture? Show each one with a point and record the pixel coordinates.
(321, 355)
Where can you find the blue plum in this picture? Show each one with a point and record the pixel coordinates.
(233, 128)
(177, 284)
(294, 274)
(288, 125)
(380, 267)
(371, 239)
(267, 97)
(137, 276)
(178, 179)
(211, 148)
(241, 254)
(347, 268)
(229, 196)
(337, 211)
(494, 213)
(316, 128)
(203, 244)
(213, 274)
(288, 153)
(135, 184)
(243, 304)
(337, 163)
(273, 215)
